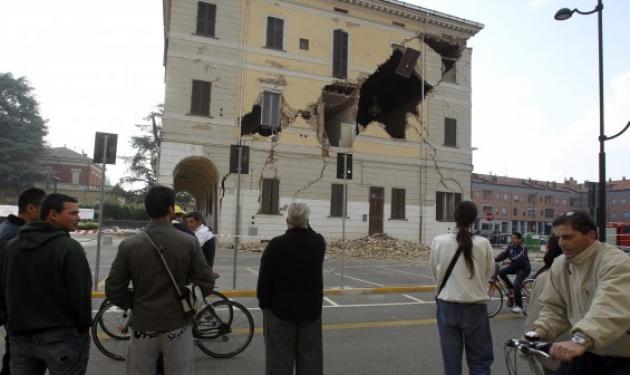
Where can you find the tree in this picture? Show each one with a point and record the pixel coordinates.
(22, 132)
(143, 165)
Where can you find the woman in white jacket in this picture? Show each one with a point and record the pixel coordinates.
(462, 316)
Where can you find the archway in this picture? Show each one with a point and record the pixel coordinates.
(198, 176)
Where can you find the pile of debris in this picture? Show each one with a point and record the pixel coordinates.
(378, 246)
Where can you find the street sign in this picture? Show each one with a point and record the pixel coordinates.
(234, 159)
(340, 157)
(99, 142)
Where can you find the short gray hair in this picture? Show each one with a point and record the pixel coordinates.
(297, 215)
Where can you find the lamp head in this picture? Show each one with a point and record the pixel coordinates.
(563, 14)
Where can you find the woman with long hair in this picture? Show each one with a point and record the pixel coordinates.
(462, 316)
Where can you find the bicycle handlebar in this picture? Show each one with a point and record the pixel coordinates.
(539, 348)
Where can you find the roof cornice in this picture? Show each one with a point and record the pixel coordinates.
(419, 14)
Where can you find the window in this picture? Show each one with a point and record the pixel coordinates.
(503, 211)
(548, 199)
(76, 174)
(200, 100)
(270, 196)
(341, 10)
(275, 33)
(340, 54)
(271, 110)
(505, 197)
(564, 202)
(398, 203)
(549, 213)
(623, 201)
(449, 70)
(445, 205)
(304, 44)
(613, 215)
(524, 214)
(515, 212)
(336, 200)
(626, 215)
(531, 198)
(516, 198)
(450, 132)
(613, 202)
(206, 17)
(487, 195)
(399, 24)
(573, 201)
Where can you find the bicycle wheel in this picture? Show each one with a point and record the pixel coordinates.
(526, 290)
(495, 298)
(108, 332)
(223, 329)
(215, 296)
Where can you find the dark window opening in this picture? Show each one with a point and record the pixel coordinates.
(514, 212)
(449, 70)
(304, 44)
(341, 10)
(450, 132)
(398, 203)
(445, 204)
(336, 200)
(270, 196)
(340, 54)
(206, 18)
(275, 33)
(200, 99)
(398, 24)
(270, 118)
(387, 97)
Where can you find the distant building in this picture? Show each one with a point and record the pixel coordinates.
(509, 204)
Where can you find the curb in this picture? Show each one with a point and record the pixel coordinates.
(251, 293)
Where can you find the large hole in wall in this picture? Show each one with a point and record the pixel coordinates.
(387, 97)
(251, 121)
(339, 103)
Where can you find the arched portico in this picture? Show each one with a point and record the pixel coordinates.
(198, 176)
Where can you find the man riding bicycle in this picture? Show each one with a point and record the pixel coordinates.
(518, 264)
(587, 294)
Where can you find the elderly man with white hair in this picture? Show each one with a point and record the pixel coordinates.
(290, 292)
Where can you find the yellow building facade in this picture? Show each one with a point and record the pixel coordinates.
(300, 81)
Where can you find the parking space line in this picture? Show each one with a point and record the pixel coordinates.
(414, 298)
(252, 270)
(330, 301)
(356, 279)
(406, 272)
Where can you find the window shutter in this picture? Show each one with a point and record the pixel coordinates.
(340, 54)
(265, 204)
(200, 98)
(439, 206)
(275, 31)
(275, 195)
(450, 132)
(398, 204)
(271, 110)
(206, 17)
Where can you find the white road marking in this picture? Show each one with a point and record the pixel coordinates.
(330, 301)
(356, 279)
(414, 298)
(252, 270)
(406, 272)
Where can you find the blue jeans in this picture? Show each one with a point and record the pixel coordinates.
(61, 351)
(465, 325)
(521, 274)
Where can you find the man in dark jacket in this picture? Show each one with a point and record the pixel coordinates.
(516, 255)
(28, 210)
(160, 324)
(290, 292)
(45, 293)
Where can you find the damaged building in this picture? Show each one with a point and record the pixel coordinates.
(300, 81)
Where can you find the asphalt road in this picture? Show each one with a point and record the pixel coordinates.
(367, 334)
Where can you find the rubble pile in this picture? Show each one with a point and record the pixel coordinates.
(379, 246)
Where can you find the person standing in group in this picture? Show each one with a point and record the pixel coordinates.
(29, 203)
(290, 291)
(518, 263)
(160, 324)
(462, 264)
(587, 294)
(45, 287)
(553, 251)
(206, 238)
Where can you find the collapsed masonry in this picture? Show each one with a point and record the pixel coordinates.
(385, 97)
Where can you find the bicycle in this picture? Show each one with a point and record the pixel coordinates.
(221, 329)
(529, 351)
(497, 290)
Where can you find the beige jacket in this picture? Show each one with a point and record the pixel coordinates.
(590, 294)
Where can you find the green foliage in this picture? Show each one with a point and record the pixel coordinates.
(22, 132)
(143, 164)
(113, 211)
(87, 225)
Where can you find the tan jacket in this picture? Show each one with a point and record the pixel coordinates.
(590, 294)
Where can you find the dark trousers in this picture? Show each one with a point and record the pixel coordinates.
(292, 344)
(61, 351)
(521, 274)
(6, 358)
(465, 325)
(593, 364)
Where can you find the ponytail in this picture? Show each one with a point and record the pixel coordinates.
(464, 241)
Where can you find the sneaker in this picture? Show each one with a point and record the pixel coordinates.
(517, 310)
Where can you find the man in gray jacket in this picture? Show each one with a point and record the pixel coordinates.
(160, 325)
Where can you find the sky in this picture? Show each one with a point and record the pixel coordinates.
(97, 66)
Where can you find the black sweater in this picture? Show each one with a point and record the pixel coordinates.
(290, 280)
(45, 281)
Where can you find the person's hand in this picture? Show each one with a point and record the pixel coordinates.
(566, 350)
